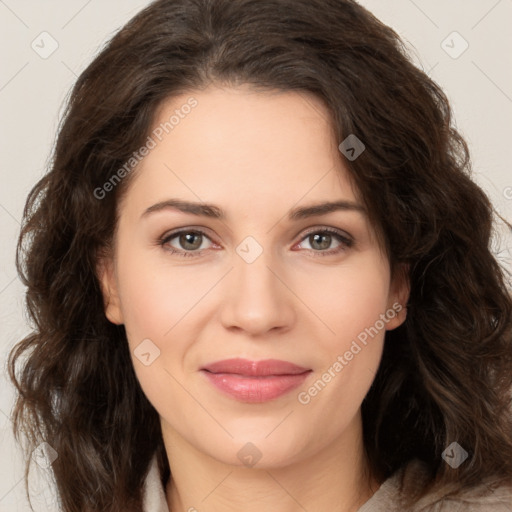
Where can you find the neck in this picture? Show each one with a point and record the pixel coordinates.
(337, 474)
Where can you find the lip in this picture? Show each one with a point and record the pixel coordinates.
(255, 381)
(248, 368)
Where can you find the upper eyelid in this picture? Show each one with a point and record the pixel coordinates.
(328, 229)
(179, 231)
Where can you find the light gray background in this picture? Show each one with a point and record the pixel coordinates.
(33, 89)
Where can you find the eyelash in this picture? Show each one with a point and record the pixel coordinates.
(345, 242)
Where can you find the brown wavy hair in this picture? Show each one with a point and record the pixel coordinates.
(446, 372)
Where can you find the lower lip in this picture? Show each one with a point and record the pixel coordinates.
(255, 389)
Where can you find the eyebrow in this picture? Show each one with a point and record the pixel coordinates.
(214, 212)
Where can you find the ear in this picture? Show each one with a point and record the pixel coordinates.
(105, 269)
(398, 297)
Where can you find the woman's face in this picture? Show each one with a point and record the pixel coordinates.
(262, 281)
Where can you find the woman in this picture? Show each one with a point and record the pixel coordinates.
(260, 276)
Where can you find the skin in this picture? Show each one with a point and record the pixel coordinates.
(256, 155)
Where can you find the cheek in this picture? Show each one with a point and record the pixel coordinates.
(349, 299)
(154, 298)
(165, 305)
(154, 303)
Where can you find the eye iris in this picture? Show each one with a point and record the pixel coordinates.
(315, 238)
(186, 243)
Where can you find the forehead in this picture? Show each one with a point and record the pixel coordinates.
(239, 146)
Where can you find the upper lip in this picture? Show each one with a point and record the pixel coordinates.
(255, 368)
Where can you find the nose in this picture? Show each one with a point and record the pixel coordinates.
(258, 298)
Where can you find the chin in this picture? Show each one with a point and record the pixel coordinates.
(260, 450)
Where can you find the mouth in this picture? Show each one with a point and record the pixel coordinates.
(255, 381)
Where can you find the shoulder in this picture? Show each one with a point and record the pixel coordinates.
(486, 497)
(154, 499)
(483, 498)
(478, 500)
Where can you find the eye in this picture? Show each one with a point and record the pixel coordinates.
(320, 240)
(189, 242)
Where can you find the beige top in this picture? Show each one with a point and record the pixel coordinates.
(386, 499)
